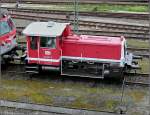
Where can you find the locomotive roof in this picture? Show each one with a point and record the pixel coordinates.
(105, 40)
(46, 29)
(102, 39)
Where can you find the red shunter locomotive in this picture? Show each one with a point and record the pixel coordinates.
(54, 46)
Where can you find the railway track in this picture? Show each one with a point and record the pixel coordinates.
(115, 2)
(64, 15)
(137, 16)
(137, 79)
(141, 79)
(130, 77)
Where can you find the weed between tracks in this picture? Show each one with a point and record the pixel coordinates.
(145, 65)
(92, 8)
(136, 95)
(102, 7)
(138, 43)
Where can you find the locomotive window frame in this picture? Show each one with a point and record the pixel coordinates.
(48, 42)
(11, 23)
(33, 43)
(5, 28)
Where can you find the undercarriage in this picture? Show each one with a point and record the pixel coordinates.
(90, 69)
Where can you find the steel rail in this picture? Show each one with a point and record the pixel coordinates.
(68, 2)
(137, 79)
(137, 16)
(31, 14)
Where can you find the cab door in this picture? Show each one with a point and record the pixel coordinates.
(49, 53)
(33, 53)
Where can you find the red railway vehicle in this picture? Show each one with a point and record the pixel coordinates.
(7, 34)
(54, 46)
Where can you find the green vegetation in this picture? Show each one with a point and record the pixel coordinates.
(135, 43)
(95, 8)
(20, 90)
(145, 65)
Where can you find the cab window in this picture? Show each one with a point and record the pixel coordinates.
(11, 23)
(33, 42)
(48, 42)
(4, 28)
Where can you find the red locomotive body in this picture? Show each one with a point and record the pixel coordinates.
(98, 48)
(53, 46)
(7, 34)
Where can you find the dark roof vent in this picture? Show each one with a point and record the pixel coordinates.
(50, 24)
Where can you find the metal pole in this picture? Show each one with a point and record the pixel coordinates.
(76, 16)
(0, 48)
(123, 88)
(149, 52)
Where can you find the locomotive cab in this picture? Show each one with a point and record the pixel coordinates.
(43, 45)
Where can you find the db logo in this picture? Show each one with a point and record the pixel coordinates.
(47, 53)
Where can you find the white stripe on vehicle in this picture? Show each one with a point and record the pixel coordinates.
(75, 58)
(90, 59)
(42, 59)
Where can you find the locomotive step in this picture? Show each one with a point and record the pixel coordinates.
(83, 75)
(35, 72)
(31, 67)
